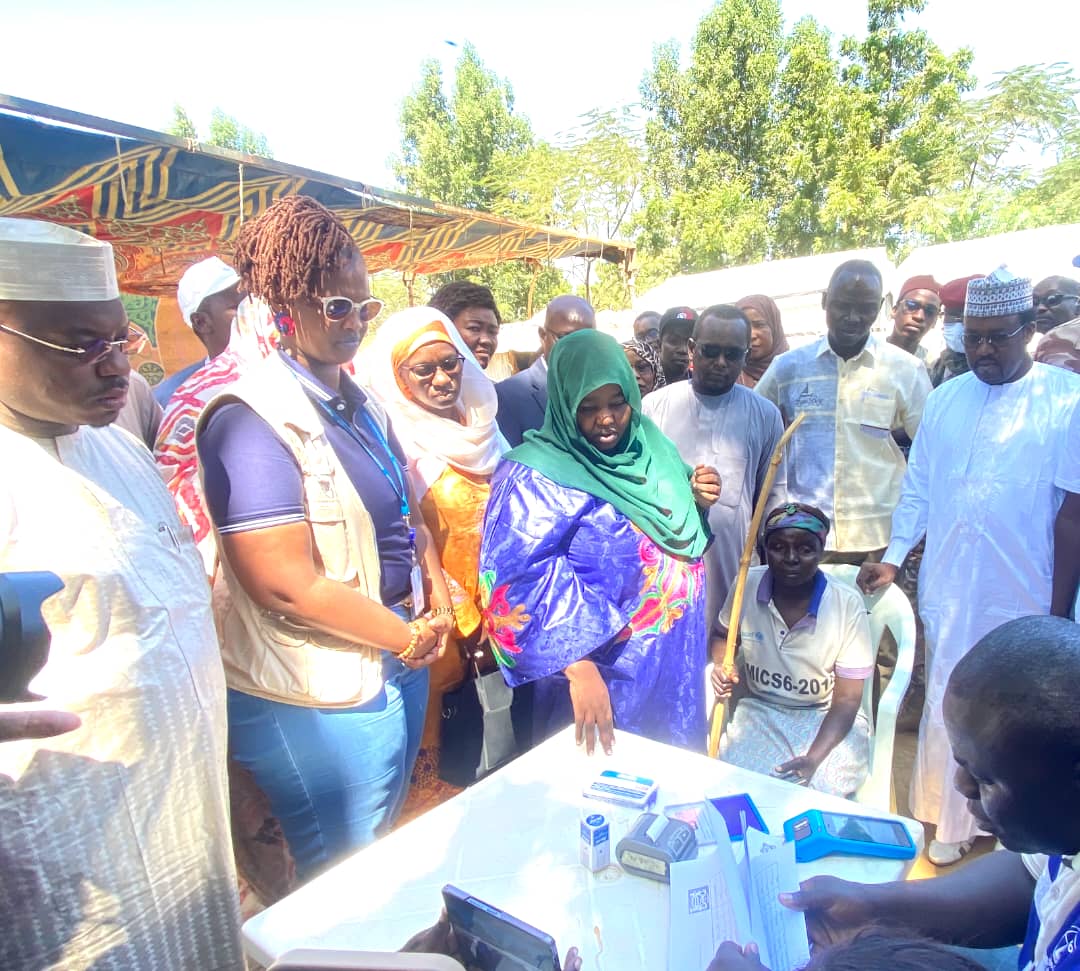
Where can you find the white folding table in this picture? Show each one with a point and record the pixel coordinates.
(512, 840)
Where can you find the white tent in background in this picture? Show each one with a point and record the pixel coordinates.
(794, 284)
(523, 335)
(1036, 253)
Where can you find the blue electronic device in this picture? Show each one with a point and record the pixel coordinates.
(817, 834)
(739, 810)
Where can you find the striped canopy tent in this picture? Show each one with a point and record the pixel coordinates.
(165, 202)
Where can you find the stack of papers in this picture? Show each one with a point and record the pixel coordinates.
(714, 899)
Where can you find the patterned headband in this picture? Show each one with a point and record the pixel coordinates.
(793, 516)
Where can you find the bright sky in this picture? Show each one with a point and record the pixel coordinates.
(324, 80)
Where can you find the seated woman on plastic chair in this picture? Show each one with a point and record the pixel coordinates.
(803, 657)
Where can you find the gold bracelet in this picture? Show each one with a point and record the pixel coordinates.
(414, 629)
(441, 612)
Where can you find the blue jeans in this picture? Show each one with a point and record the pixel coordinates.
(336, 778)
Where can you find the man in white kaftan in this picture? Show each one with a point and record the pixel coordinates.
(114, 837)
(715, 422)
(989, 471)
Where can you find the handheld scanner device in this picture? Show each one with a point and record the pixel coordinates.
(817, 834)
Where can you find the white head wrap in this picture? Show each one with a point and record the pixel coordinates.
(431, 441)
(44, 261)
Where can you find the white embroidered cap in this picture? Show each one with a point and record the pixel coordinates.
(1001, 294)
(44, 261)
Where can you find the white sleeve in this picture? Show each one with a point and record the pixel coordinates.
(1067, 476)
(918, 391)
(911, 513)
(855, 659)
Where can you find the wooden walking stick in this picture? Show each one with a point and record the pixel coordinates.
(728, 663)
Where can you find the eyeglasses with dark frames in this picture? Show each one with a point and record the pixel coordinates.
(930, 310)
(973, 341)
(448, 365)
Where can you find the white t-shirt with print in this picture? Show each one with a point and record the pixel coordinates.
(796, 667)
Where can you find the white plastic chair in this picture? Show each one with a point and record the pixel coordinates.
(888, 608)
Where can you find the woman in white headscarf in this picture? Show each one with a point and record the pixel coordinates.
(442, 407)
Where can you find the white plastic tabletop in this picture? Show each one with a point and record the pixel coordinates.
(512, 840)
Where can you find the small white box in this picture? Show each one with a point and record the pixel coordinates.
(595, 841)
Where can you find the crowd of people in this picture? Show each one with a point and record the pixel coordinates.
(345, 536)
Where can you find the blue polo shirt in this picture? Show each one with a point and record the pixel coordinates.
(252, 480)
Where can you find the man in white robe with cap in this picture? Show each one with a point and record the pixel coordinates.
(993, 482)
(114, 837)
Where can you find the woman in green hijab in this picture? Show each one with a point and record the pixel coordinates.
(591, 577)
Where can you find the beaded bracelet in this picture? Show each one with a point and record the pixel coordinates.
(414, 629)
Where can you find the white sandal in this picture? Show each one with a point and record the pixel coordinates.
(946, 854)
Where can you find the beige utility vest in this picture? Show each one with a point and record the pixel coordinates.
(267, 654)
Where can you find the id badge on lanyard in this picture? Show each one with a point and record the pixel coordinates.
(416, 581)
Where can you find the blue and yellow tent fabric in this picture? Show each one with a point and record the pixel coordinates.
(165, 203)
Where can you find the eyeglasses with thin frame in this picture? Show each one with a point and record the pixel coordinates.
(338, 308)
(448, 365)
(92, 353)
(972, 341)
(730, 354)
(930, 310)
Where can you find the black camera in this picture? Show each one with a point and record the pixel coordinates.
(24, 635)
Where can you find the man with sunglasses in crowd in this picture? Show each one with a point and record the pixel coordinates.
(725, 432)
(914, 314)
(855, 390)
(523, 397)
(1057, 301)
(991, 484)
(115, 848)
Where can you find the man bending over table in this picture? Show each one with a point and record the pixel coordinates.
(1014, 727)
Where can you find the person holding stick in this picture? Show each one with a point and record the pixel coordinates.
(805, 653)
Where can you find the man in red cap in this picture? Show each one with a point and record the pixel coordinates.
(914, 314)
(952, 361)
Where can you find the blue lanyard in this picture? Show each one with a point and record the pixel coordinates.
(399, 487)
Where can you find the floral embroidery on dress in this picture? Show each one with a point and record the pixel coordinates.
(669, 586)
(501, 621)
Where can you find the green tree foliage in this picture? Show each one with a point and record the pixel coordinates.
(772, 144)
(183, 126)
(450, 145)
(457, 147)
(225, 132)
(589, 182)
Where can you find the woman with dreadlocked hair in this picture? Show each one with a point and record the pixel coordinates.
(338, 602)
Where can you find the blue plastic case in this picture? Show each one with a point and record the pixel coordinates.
(817, 834)
(733, 809)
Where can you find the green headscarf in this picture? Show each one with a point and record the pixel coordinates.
(645, 478)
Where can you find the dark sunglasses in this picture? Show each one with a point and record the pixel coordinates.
(338, 308)
(92, 353)
(1053, 299)
(930, 310)
(712, 351)
(991, 340)
(448, 365)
